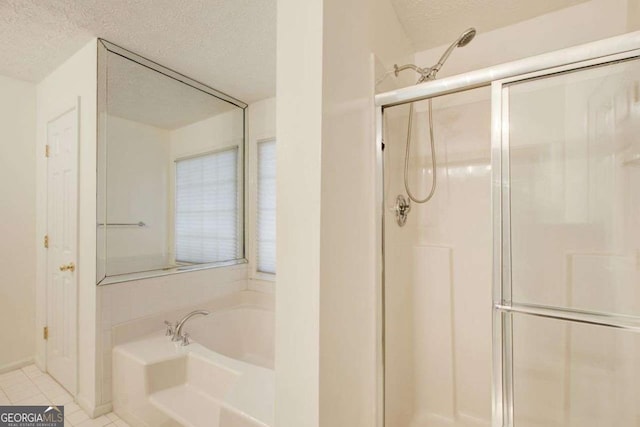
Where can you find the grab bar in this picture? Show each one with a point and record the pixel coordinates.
(123, 224)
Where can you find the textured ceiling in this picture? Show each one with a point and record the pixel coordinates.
(431, 23)
(140, 94)
(227, 44)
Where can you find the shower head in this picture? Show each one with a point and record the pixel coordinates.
(430, 73)
(466, 37)
(463, 40)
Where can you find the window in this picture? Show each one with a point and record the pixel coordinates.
(206, 223)
(266, 218)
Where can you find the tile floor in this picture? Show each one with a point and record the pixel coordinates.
(30, 386)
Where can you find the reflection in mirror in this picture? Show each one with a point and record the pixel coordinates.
(171, 172)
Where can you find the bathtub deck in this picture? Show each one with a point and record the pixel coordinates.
(158, 381)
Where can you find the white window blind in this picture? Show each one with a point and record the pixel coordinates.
(266, 223)
(206, 223)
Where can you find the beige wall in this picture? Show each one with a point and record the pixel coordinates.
(299, 129)
(17, 221)
(348, 246)
(633, 15)
(325, 297)
(140, 154)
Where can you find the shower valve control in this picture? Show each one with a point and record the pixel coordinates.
(402, 209)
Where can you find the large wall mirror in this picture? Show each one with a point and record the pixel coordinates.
(170, 171)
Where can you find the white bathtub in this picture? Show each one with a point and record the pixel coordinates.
(224, 378)
(242, 333)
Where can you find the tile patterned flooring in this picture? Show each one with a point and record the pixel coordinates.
(30, 386)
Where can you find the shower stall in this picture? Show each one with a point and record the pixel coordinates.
(512, 296)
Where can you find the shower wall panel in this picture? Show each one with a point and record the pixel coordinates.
(438, 267)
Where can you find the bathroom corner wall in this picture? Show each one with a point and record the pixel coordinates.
(298, 151)
(326, 353)
(353, 31)
(633, 15)
(72, 82)
(17, 228)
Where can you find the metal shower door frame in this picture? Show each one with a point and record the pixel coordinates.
(499, 77)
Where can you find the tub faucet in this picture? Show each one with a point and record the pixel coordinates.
(177, 332)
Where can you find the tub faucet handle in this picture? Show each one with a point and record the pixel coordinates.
(185, 339)
(177, 332)
(170, 329)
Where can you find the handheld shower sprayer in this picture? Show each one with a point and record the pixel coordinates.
(463, 40)
(403, 206)
(429, 73)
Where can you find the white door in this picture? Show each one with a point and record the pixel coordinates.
(62, 215)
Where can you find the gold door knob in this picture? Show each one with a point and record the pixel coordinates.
(69, 267)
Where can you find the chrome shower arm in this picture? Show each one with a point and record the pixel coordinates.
(425, 73)
(397, 69)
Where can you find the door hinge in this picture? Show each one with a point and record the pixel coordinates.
(45, 333)
(46, 150)
(46, 241)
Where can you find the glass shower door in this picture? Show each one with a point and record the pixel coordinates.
(566, 160)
